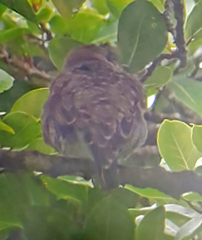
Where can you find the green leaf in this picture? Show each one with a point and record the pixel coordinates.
(68, 8)
(175, 145)
(6, 128)
(59, 48)
(101, 6)
(22, 7)
(44, 15)
(197, 136)
(58, 25)
(194, 21)
(13, 34)
(188, 91)
(26, 129)
(139, 25)
(160, 77)
(148, 192)
(152, 225)
(85, 26)
(179, 209)
(109, 220)
(32, 102)
(6, 81)
(39, 145)
(65, 190)
(192, 196)
(49, 222)
(116, 7)
(17, 191)
(190, 229)
(77, 180)
(2, 9)
(107, 33)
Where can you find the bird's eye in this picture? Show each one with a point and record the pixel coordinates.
(84, 68)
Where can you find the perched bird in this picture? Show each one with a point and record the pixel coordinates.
(95, 109)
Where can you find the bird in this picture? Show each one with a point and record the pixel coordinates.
(95, 109)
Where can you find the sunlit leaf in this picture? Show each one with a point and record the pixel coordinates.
(65, 190)
(22, 7)
(6, 81)
(6, 128)
(44, 15)
(192, 196)
(85, 26)
(32, 102)
(148, 192)
(68, 8)
(116, 7)
(101, 6)
(26, 129)
(175, 145)
(139, 25)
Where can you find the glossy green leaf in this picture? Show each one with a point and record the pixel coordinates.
(194, 21)
(2, 9)
(190, 229)
(126, 197)
(179, 215)
(26, 129)
(159, 4)
(175, 145)
(39, 145)
(160, 77)
(116, 7)
(17, 191)
(32, 102)
(148, 192)
(188, 91)
(101, 6)
(77, 180)
(6, 128)
(139, 25)
(6, 81)
(12, 34)
(58, 25)
(152, 225)
(179, 209)
(192, 196)
(109, 220)
(68, 8)
(197, 136)
(44, 15)
(22, 7)
(107, 33)
(65, 190)
(85, 26)
(59, 48)
(42, 223)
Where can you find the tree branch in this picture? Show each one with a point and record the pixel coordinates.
(171, 183)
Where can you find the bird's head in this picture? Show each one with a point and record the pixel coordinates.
(84, 57)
